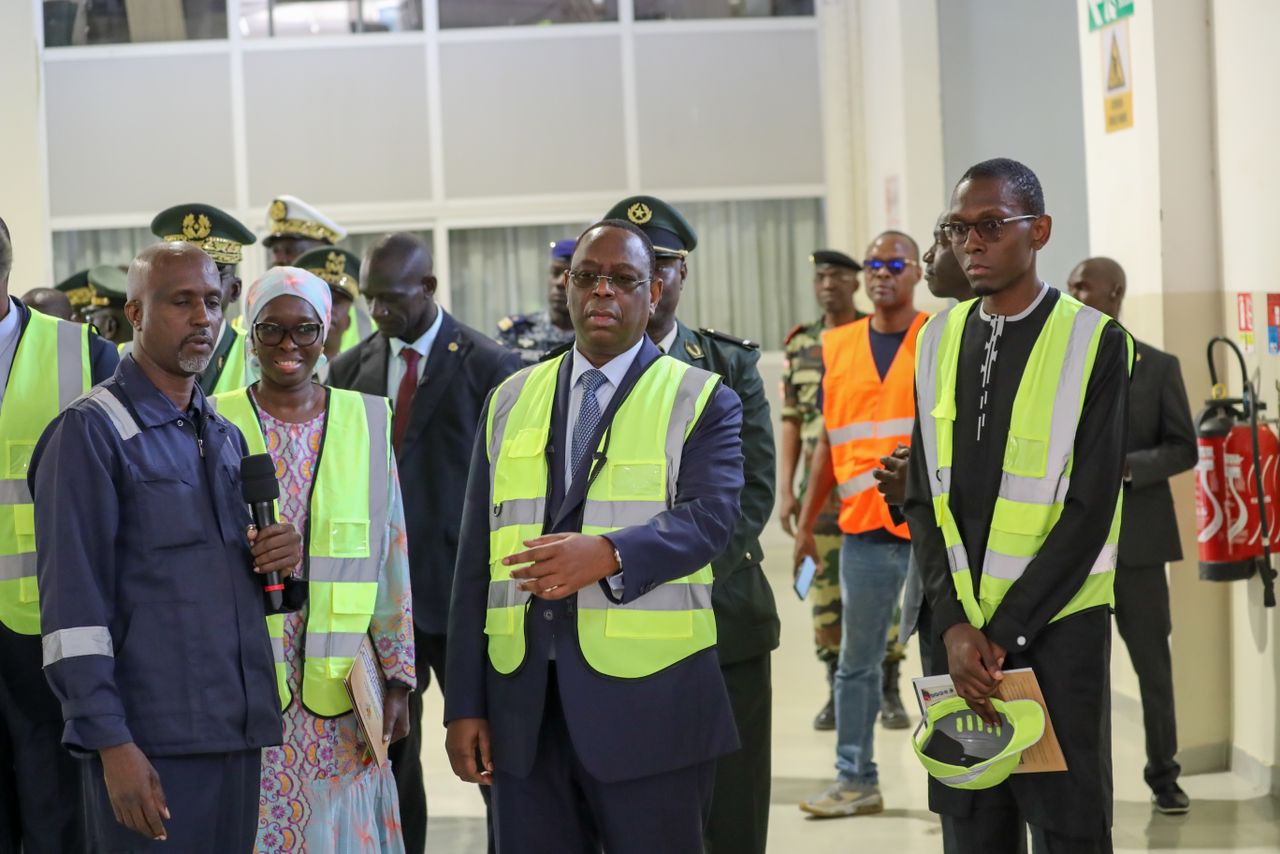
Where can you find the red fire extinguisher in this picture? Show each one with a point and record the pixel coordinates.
(1237, 485)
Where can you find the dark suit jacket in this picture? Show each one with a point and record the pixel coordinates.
(1162, 443)
(746, 614)
(462, 367)
(622, 729)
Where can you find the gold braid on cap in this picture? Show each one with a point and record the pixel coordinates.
(303, 228)
(88, 295)
(220, 249)
(337, 279)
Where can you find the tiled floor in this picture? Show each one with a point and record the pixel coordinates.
(1226, 815)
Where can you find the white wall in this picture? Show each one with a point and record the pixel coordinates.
(1249, 184)
(1010, 73)
(25, 201)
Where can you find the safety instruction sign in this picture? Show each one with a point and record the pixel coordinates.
(1244, 322)
(1273, 324)
(1117, 78)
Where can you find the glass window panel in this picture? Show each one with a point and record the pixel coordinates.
(515, 13)
(494, 272)
(74, 251)
(750, 275)
(265, 18)
(649, 10)
(80, 22)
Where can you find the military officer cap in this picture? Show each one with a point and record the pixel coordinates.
(338, 267)
(218, 233)
(562, 250)
(834, 259)
(670, 232)
(103, 286)
(290, 216)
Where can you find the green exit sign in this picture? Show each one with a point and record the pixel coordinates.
(1104, 12)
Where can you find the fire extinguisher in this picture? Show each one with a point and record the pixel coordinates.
(1237, 485)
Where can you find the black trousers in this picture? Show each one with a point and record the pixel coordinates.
(996, 826)
(406, 754)
(213, 804)
(739, 821)
(561, 809)
(1142, 616)
(39, 780)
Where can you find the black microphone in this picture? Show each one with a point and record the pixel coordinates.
(260, 489)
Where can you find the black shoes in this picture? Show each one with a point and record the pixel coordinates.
(892, 714)
(1171, 800)
(826, 719)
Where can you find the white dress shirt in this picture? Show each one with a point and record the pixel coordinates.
(614, 370)
(670, 338)
(10, 332)
(396, 365)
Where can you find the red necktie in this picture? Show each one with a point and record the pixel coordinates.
(404, 396)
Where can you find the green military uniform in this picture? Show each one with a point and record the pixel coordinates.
(746, 614)
(95, 290)
(801, 380)
(223, 238)
(339, 269)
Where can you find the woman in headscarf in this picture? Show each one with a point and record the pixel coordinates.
(321, 791)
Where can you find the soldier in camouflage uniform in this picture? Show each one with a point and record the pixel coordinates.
(535, 335)
(835, 282)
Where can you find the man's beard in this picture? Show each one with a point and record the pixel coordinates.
(194, 364)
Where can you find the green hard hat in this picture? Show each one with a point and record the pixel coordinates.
(961, 750)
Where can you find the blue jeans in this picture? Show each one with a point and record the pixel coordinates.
(871, 576)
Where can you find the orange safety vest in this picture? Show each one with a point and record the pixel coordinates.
(866, 418)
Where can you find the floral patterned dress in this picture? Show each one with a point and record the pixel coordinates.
(320, 794)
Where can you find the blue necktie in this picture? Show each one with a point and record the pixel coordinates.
(588, 415)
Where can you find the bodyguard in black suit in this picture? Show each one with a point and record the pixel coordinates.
(437, 409)
(1162, 443)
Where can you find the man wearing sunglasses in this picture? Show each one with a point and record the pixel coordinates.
(747, 623)
(867, 407)
(1013, 501)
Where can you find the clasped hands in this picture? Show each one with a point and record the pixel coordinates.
(562, 564)
(976, 664)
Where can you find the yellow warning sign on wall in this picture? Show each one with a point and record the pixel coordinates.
(1117, 76)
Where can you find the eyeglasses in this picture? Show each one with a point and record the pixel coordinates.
(894, 265)
(272, 334)
(990, 230)
(585, 280)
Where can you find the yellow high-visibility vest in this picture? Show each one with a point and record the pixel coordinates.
(635, 482)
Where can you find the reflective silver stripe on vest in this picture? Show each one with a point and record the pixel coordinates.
(1106, 560)
(75, 642)
(519, 511)
(277, 649)
(333, 644)
(856, 484)
(1052, 488)
(927, 346)
(1007, 567)
(14, 492)
(116, 411)
(620, 514)
(507, 594)
(664, 597)
(363, 569)
(682, 413)
(504, 400)
(13, 567)
(70, 363)
(958, 558)
(870, 430)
